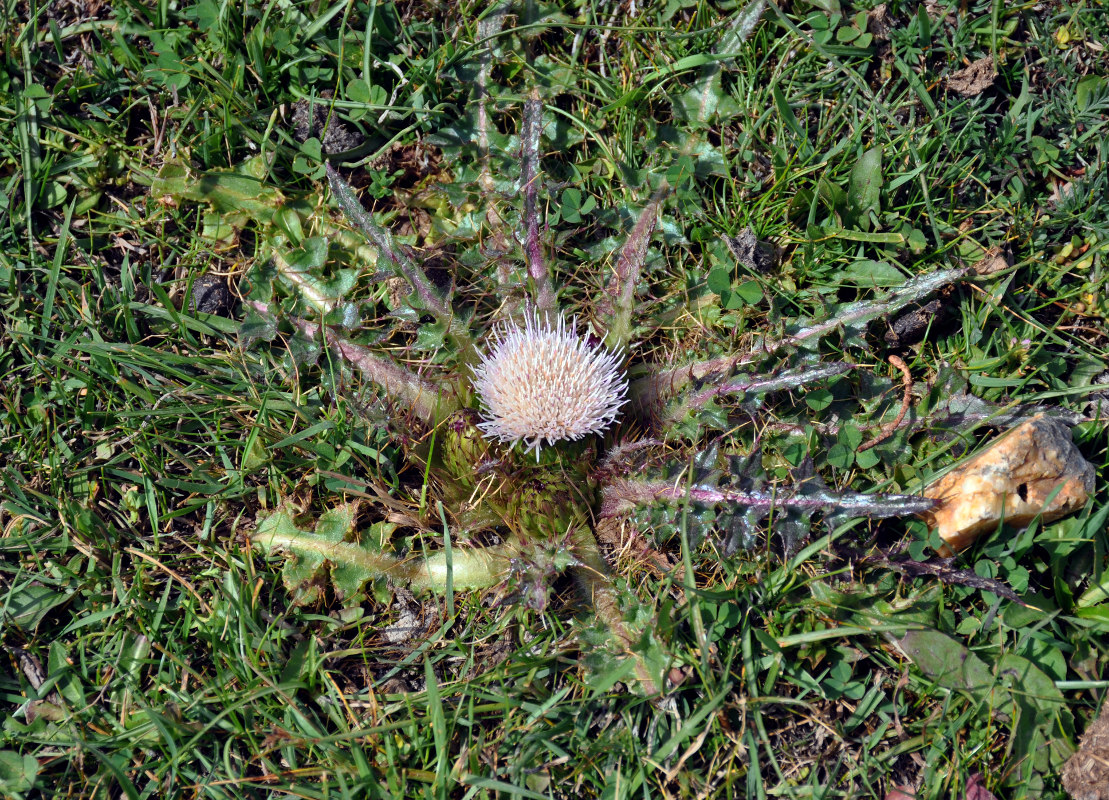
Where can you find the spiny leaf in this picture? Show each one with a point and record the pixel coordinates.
(746, 384)
(327, 553)
(426, 400)
(621, 287)
(529, 178)
(741, 27)
(623, 495)
(239, 194)
(297, 270)
(653, 390)
(855, 314)
(428, 297)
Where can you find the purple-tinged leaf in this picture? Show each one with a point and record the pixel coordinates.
(428, 401)
(789, 379)
(428, 296)
(529, 178)
(619, 303)
(955, 408)
(976, 789)
(622, 496)
(652, 391)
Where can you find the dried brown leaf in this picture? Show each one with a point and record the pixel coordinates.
(973, 79)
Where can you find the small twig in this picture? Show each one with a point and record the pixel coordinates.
(906, 399)
(942, 570)
(175, 575)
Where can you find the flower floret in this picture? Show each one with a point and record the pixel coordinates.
(543, 382)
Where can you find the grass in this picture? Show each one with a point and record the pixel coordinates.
(152, 653)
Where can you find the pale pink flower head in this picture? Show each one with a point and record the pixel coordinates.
(543, 382)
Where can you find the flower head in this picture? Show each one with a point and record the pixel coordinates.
(541, 381)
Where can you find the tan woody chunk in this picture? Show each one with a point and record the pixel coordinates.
(1011, 479)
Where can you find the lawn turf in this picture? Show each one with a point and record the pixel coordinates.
(151, 652)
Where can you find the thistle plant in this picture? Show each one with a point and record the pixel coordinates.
(532, 429)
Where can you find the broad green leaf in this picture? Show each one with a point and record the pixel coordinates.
(311, 254)
(17, 773)
(719, 280)
(1043, 727)
(1013, 688)
(28, 604)
(344, 315)
(869, 274)
(68, 683)
(841, 456)
(865, 193)
(255, 456)
(867, 459)
(1088, 90)
(750, 292)
(818, 399)
(950, 664)
(240, 194)
(297, 270)
(430, 336)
